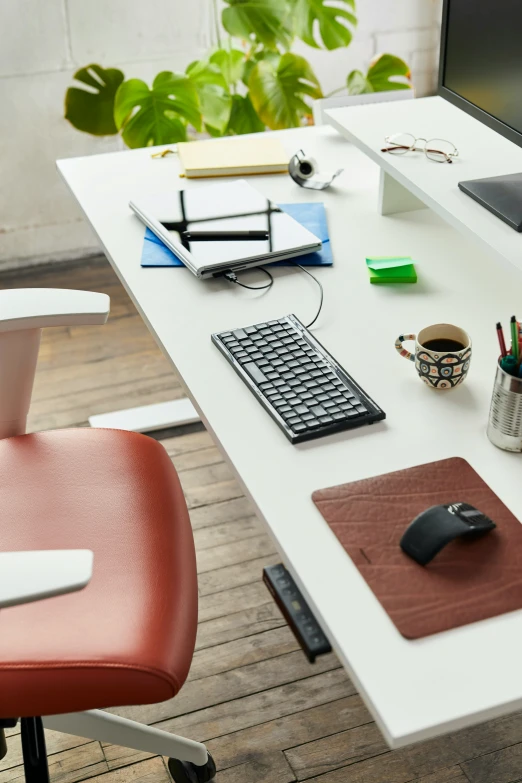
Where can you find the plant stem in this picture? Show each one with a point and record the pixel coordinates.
(334, 92)
(216, 22)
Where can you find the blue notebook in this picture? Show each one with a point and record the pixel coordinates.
(311, 216)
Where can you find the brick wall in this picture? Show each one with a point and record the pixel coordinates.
(44, 41)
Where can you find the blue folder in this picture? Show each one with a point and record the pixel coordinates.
(311, 216)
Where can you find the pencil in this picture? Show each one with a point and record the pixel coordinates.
(514, 337)
(501, 341)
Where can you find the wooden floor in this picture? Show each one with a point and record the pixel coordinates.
(266, 714)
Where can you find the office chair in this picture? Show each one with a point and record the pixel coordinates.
(94, 521)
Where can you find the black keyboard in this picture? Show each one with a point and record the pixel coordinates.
(302, 387)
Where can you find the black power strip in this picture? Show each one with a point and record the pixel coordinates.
(296, 611)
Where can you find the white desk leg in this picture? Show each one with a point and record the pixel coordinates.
(148, 418)
(394, 198)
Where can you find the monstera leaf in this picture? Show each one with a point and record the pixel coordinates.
(380, 76)
(243, 117)
(277, 90)
(324, 21)
(230, 62)
(265, 20)
(92, 110)
(158, 115)
(214, 98)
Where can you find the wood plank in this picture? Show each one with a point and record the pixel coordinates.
(235, 553)
(236, 599)
(283, 733)
(259, 770)
(426, 758)
(230, 686)
(239, 625)
(502, 766)
(338, 750)
(242, 652)
(227, 533)
(446, 775)
(68, 766)
(237, 714)
(55, 742)
(235, 575)
(221, 511)
(151, 771)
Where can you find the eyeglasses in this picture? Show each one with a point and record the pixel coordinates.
(438, 150)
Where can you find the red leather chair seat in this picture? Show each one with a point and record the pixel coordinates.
(128, 637)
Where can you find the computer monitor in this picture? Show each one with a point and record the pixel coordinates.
(481, 62)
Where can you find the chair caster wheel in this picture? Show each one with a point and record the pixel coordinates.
(186, 772)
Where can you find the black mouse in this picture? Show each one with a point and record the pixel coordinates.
(431, 530)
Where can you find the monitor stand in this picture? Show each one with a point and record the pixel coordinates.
(500, 195)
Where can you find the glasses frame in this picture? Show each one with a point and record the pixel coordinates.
(448, 156)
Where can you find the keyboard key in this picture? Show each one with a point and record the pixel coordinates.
(318, 410)
(339, 416)
(300, 409)
(250, 329)
(285, 409)
(255, 373)
(299, 427)
(242, 356)
(313, 423)
(294, 420)
(285, 389)
(306, 395)
(326, 419)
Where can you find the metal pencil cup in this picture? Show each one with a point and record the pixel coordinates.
(505, 415)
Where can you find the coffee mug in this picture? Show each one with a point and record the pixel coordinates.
(442, 354)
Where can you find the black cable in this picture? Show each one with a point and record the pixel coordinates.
(232, 277)
(321, 295)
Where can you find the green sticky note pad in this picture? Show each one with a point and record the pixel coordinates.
(391, 269)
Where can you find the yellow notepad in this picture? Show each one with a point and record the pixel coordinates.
(259, 154)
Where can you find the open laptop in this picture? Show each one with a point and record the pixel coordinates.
(223, 227)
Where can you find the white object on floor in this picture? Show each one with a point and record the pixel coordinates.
(32, 576)
(482, 153)
(148, 418)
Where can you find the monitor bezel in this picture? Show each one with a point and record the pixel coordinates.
(457, 100)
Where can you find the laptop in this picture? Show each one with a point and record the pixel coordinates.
(223, 227)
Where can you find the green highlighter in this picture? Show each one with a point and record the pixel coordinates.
(391, 269)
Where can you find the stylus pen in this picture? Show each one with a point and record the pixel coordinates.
(514, 337)
(223, 236)
(501, 341)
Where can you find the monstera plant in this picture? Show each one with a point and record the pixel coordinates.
(249, 82)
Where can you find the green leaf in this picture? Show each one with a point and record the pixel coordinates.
(357, 83)
(243, 117)
(321, 22)
(277, 92)
(230, 62)
(214, 98)
(252, 61)
(382, 71)
(92, 110)
(264, 20)
(159, 115)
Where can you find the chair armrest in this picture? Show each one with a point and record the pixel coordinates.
(31, 576)
(36, 308)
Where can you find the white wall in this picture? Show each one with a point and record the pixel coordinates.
(44, 41)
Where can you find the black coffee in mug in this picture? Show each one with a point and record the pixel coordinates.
(443, 345)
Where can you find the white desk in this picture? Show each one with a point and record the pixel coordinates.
(482, 153)
(414, 689)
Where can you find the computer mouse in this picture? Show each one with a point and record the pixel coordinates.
(431, 530)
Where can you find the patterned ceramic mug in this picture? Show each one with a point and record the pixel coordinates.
(442, 354)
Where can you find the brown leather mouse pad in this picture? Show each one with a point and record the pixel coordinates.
(468, 580)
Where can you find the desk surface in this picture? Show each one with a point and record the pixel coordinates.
(414, 689)
(482, 153)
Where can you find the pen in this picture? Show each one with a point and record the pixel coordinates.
(514, 337)
(223, 236)
(501, 341)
